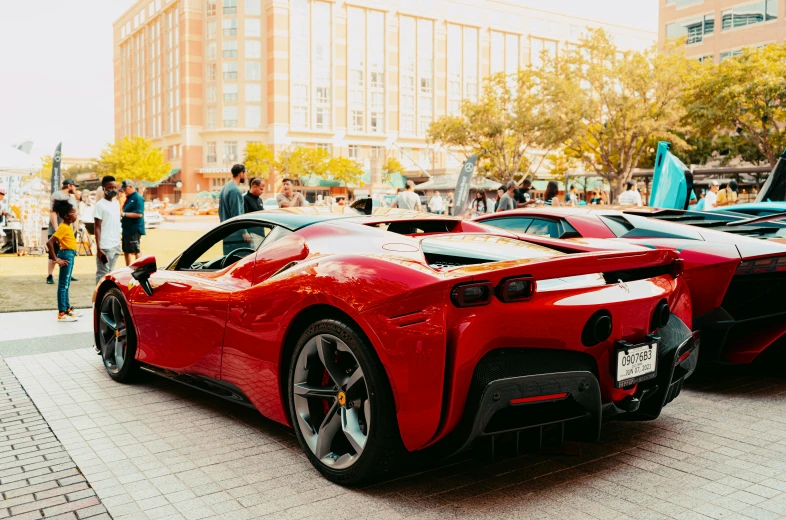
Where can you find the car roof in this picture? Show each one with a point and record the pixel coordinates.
(297, 218)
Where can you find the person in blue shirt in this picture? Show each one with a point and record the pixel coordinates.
(132, 221)
(230, 204)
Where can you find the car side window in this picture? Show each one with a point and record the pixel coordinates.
(224, 246)
(517, 225)
(544, 228)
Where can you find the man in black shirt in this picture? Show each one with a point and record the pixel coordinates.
(522, 195)
(251, 202)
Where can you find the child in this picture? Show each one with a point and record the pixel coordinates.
(64, 236)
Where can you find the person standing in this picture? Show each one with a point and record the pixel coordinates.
(711, 198)
(522, 196)
(449, 203)
(550, 198)
(251, 202)
(500, 193)
(106, 216)
(572, 197)
(631, 196)
(64, 256)
(289, 198)
(479, 204)
(407, 199)
(230, 200)
(728, 195)
(508, 200)
(67, 192)
(3, 208)
(436, 203)
(132, 221)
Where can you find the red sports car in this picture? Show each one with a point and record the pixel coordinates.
(736, 282)
(375, 334)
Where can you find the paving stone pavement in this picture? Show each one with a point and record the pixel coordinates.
(38, 479)
(160, 450)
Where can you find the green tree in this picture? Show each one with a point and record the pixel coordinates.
(612, 103)
(505, 127)
(259, 160)
(345, 170)
(744, 97)
(134, 158)
(391, 166)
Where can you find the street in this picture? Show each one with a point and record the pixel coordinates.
(158, 449)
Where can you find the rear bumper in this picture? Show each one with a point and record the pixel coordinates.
(572, 398)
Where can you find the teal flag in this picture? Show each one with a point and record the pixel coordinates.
(669, 185)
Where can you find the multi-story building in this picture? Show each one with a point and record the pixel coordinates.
(719, 29)
(362, 79)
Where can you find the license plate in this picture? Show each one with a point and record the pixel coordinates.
(636, 364)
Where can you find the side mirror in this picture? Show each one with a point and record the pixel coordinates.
(141, 271)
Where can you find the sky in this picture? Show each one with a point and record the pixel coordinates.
(56, 66)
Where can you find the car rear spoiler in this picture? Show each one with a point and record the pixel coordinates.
(647, 263)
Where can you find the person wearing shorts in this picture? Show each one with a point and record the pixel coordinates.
(132, 222)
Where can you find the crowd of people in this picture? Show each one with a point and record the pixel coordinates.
(118, 228)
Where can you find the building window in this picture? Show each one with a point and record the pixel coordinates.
(407, 124)
(230, 70)
(356, 123)
(253, 70)
(230, 26)
(211, 153)
(211, 71)
(683, 3)
(730, 54)
(323, 95)
(377, 122)
(253, 7)
(253, 49)
(323, 118)
(497, 52)
(253, 92)
(749, 14)
(230, 49)
(230, 151)
(230, 91)
(300, 117)
(253, 27)
(253, 116)
(230, 6)
(299, 104)
(211, 51)
(230, 116)
(210, 93)
(353, 151)
(377, 79)
(211, 7)
(538, 47)
(325, 146)
(693, 28)
(211, 30)
(211, 117)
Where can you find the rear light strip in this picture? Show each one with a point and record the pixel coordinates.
(539, 398)
(765, 265)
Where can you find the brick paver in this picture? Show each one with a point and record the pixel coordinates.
(38, 479)
(159, 450)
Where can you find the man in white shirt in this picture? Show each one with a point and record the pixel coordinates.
(711, 198)
(631, 196)
(407, 199)
(436, 204)
(106, 215)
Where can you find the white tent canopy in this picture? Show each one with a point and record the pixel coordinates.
(16, 162)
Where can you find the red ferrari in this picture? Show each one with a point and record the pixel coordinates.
(370, 335)
(736, 282)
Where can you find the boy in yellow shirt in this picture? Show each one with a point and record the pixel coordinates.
(64, 237)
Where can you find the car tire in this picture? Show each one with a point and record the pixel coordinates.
(116, 337)
(363, 417)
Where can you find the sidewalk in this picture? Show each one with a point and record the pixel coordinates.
(38, 324)
(38, 479)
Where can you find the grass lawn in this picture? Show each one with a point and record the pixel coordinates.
(23, 279)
